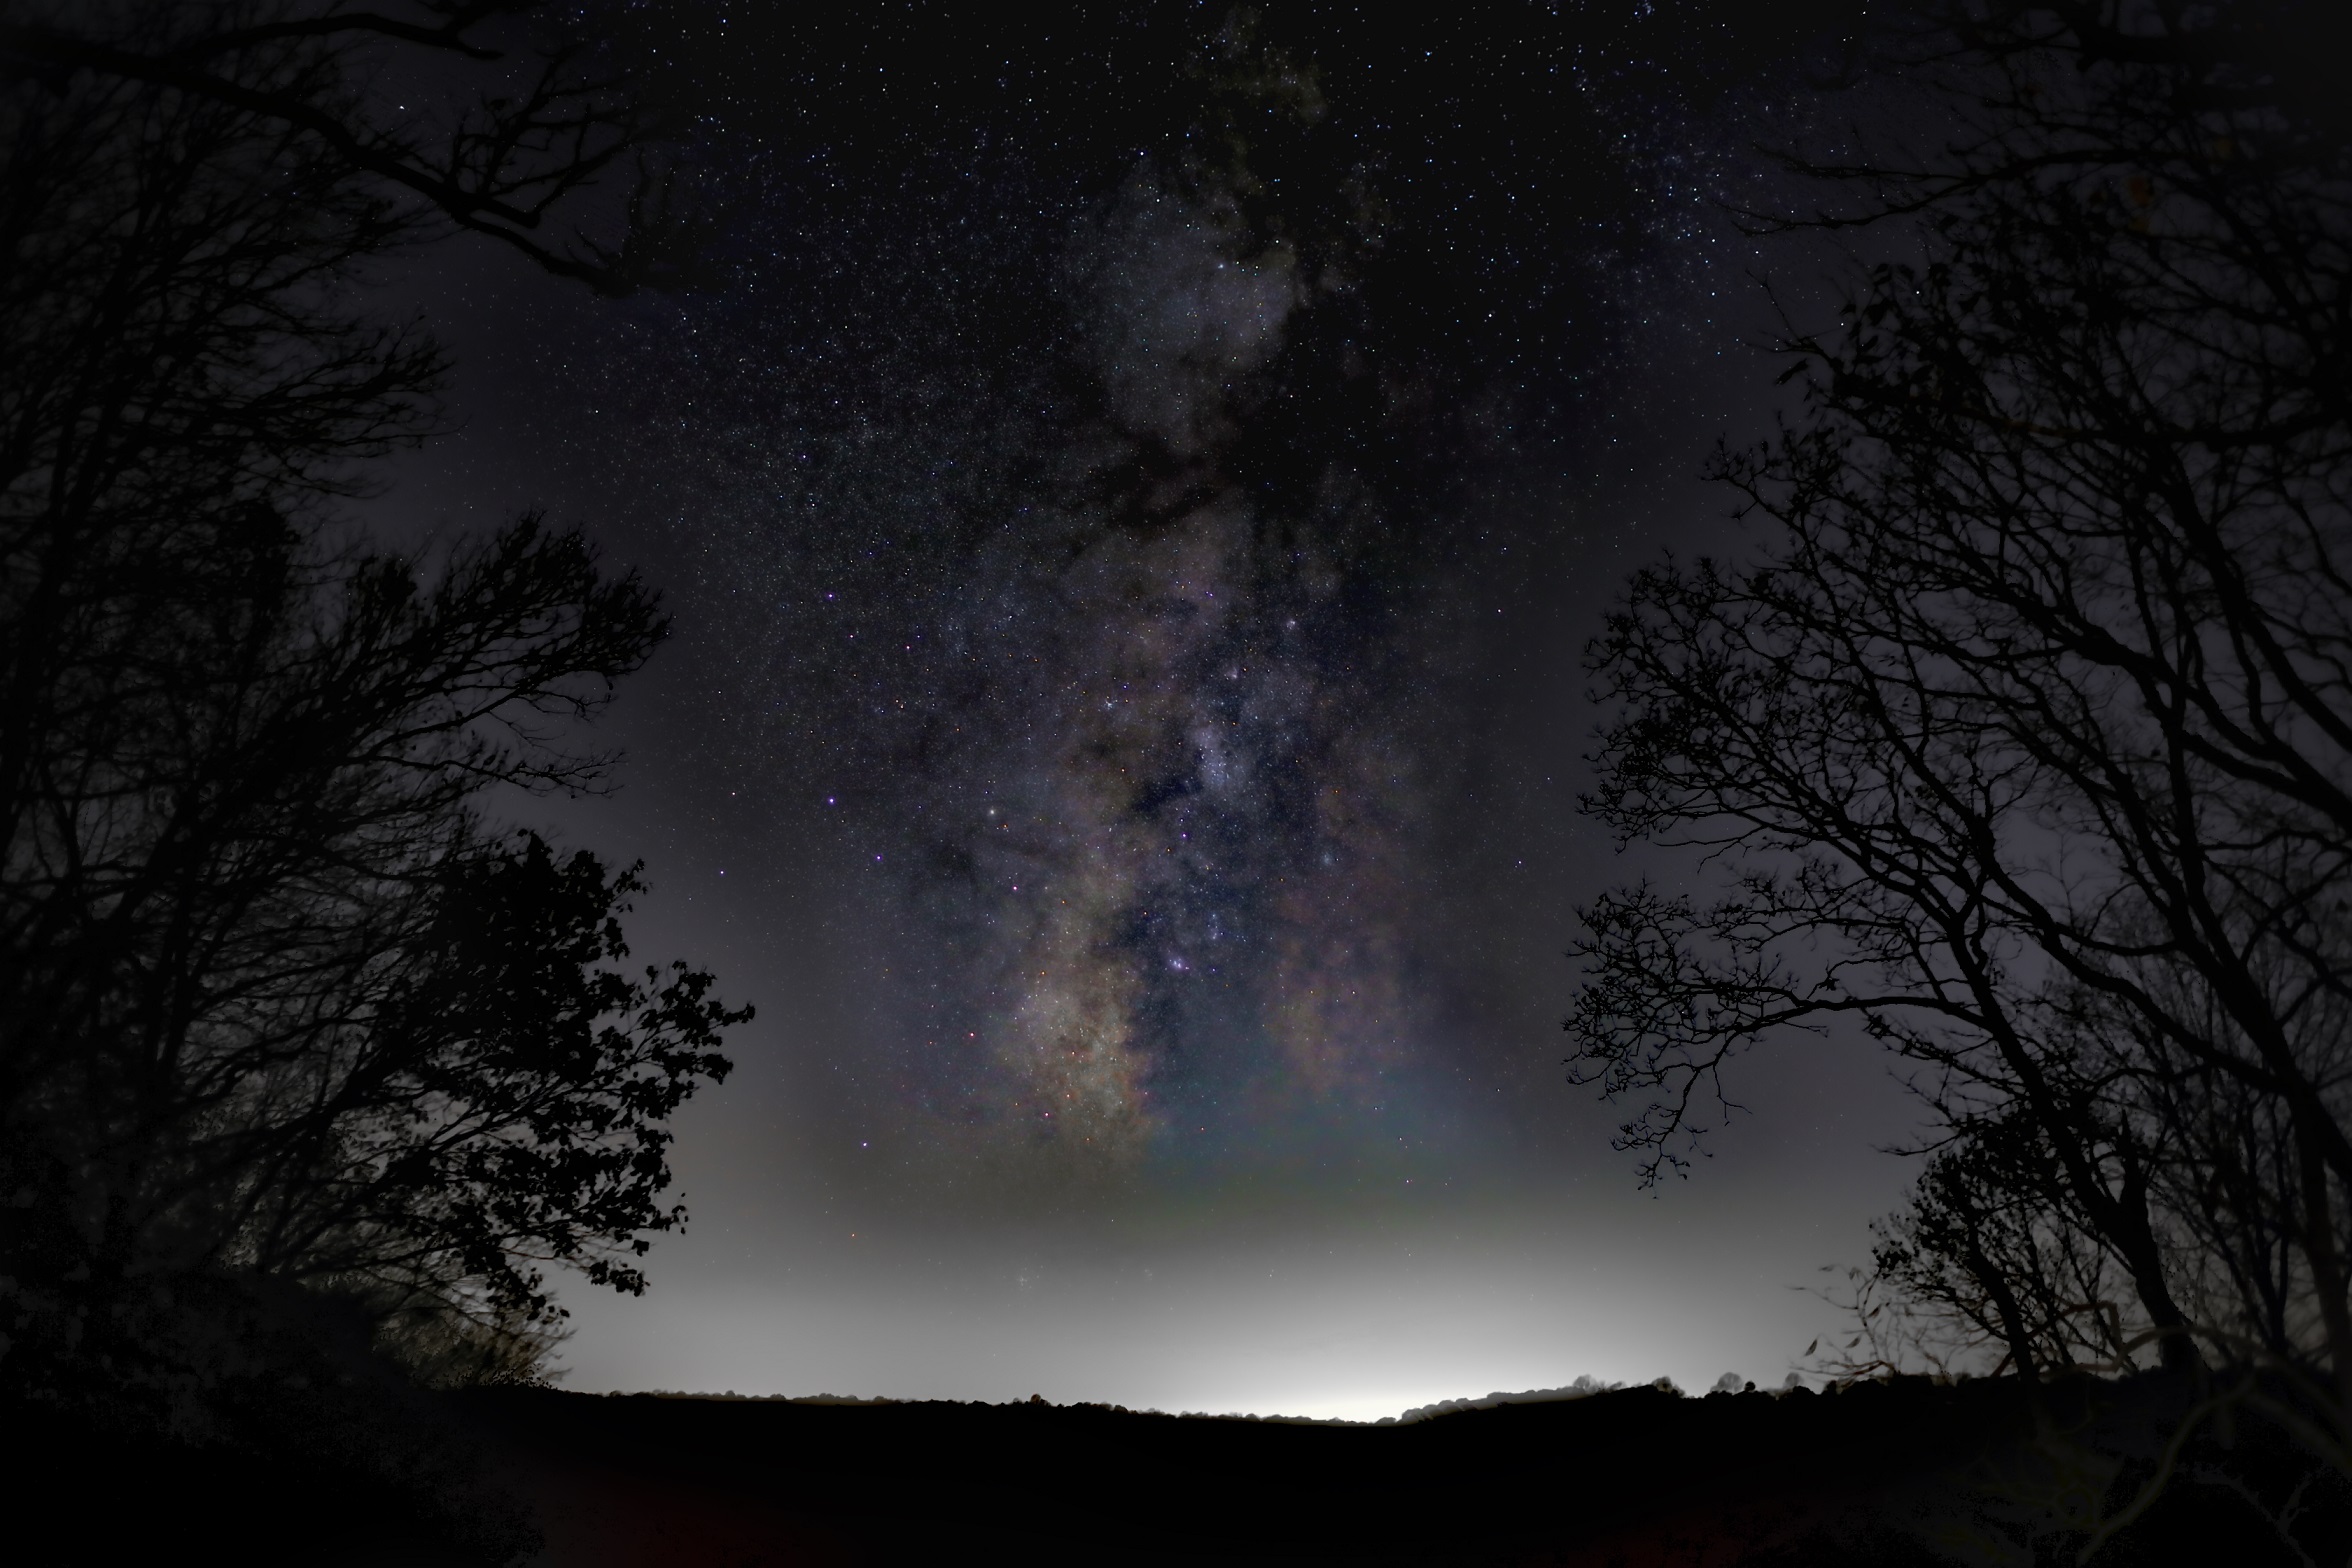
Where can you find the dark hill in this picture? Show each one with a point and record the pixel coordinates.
(1636, 1477)
(1878, 1474)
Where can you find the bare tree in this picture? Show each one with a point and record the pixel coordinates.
(2025, 738)
(279, 1004)
(549, 118)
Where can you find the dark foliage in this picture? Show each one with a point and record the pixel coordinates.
(314, 1449)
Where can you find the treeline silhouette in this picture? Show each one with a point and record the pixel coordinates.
(308, 1067)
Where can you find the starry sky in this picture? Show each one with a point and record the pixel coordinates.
(1132, 498)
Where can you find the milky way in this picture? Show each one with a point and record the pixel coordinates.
(1155, 806)
(1093, 552)
(1131, 503)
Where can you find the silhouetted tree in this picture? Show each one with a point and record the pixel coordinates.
(552, 119)
(2026, 737)
(280, 1007)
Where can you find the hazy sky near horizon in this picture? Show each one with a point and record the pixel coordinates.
(1132, 507)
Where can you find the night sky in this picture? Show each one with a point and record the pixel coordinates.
(1132, 500)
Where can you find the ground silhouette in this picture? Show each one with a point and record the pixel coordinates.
(1875, 1473)
(1878, 1473)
